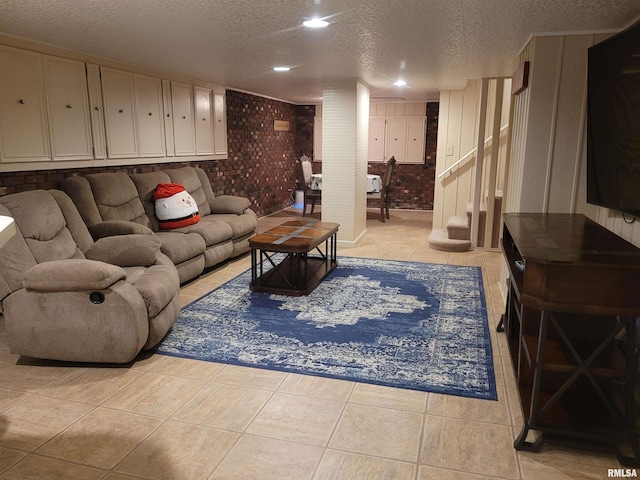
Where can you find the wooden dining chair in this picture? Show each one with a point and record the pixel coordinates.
(309, 193)
(384, 195)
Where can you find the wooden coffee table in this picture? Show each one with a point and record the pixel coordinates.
(299, 272)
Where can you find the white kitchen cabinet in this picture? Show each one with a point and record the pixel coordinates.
(120, 119)
(24, 134)
(68, 108)
(96, 110)
(220, 123)
(376, 139)
(149, 116)
(183, 125)
(203, 121)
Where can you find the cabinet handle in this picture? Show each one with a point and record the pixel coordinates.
(21, 101)
(120, 111)
(150, 114)
(97, 109)
(184, 118)
(68, 105)
(168, 116)
(204, 119)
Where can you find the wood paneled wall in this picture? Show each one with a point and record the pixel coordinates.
(548, 155)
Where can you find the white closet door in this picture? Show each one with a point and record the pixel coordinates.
(150, 123)
(183, 125)
(395, 140)
(96, 109)
(120, 120)
(68, 108)
(415, 140)
(220, 123)
(203, 121)
(168, 117)
(24, 136)
(376, 139)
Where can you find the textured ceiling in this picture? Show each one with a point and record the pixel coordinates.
(432, 44)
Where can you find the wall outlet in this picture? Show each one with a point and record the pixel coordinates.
(449, 149)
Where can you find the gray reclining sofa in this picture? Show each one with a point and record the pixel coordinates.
(66, 297)
(117, 203)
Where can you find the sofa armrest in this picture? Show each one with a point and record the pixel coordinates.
(72, 274)
(126, 250)
(118, 227)
(229, 204)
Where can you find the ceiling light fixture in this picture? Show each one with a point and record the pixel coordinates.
(315, 23)
(399, 83)
(281, 69)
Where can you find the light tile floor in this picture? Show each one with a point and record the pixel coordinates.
(171, 418)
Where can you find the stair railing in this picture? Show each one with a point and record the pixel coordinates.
(470, 154)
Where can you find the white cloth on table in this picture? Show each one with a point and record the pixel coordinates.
(374, 182)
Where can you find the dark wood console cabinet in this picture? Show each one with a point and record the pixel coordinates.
(570, 321)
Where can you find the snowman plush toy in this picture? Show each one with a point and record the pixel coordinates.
(175, 208)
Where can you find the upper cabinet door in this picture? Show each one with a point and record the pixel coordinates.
(68, 108)
(203, 121)
(24, 136)
(416, 139)
(96, 109)
(183, 125)
(118, 93)
(395, 140)
(168, 116)
(150, 123)
(220, 122)
(376, 139)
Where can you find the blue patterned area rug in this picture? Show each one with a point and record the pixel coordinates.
(411, 325)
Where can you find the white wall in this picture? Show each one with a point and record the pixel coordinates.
(457, 127)
(548, 156)
(457, 135)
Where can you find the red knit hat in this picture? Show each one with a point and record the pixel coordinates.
(164, 190)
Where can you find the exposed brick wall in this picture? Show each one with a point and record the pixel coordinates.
(267, 158)
(414, 184)
(262, 163)
(304, 137)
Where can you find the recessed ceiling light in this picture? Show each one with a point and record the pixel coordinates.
(399, 83)
(281, 69)
(315, 23)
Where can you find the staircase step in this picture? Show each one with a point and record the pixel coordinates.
(458, 228)
(439, 240)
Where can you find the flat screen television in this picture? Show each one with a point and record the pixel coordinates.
(613, 123)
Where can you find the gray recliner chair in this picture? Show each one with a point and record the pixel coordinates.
(66, 297)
